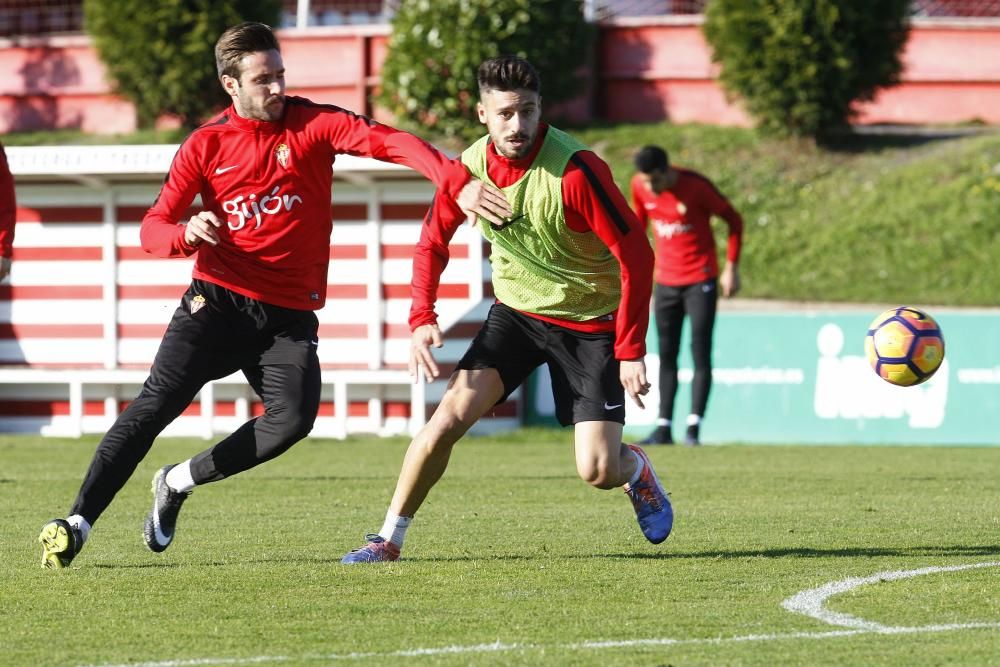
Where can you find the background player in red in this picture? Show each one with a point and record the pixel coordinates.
(678, 204)
(8, 214)
(263, 171)
(572, 273)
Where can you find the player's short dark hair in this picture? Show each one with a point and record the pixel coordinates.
(238, 41)
(508, 73)
(651, 158)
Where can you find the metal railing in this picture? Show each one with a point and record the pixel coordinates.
(956, 8)
(47, 17)
(40, 17)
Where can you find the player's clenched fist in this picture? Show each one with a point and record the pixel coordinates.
(202, 228)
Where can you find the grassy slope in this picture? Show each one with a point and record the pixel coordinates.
(878, 219)
(889, 219)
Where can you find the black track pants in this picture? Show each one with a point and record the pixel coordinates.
(276, 350)
(670, 304)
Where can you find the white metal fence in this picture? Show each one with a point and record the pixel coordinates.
(40, 17)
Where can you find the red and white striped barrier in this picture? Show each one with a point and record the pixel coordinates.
(84, 310)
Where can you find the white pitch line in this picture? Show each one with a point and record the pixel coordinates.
(809, 602)
(500, 648)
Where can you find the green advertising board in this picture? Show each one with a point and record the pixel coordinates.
(800, 376)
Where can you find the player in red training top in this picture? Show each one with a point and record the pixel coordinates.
(8, 214)
(263, 171)
(572, 273)
(678, 204)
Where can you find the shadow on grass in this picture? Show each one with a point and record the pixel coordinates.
(848, 552)
(865, 139)
(137, 566)
(791, 552)
(393, 476)
(796, 552)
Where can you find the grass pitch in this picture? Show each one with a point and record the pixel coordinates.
(513, 560)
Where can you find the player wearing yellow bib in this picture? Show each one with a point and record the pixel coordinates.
(572, 273)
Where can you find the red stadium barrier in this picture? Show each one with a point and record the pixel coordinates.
(84, 311)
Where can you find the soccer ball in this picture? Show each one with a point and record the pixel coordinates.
(905, 346)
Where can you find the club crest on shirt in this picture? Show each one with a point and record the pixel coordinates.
(197, 303)
(282, 152)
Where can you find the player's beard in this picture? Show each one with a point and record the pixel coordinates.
(273, 109)
(270, 109)
(519, 150)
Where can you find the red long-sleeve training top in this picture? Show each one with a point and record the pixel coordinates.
(270, 183)
(8, 207)
(682, 231)
(592, 203)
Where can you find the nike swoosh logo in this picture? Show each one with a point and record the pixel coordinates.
(222, 170)
(507, 222)
(612, 407)
(161, 538)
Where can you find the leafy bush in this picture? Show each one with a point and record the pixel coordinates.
(429, 76)
(160, 54)
(799, 65)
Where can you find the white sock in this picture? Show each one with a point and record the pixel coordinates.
(694, 420)
(394, 528)
(80, 524)
(179, 477)
(662, 422)
(639, 465)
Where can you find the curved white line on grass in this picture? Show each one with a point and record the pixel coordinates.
(262, 659)
(810, 602)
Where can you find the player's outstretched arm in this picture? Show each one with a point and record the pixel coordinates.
(421, 357)
(449, 175)
(8, 215)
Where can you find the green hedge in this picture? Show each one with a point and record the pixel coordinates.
(799, 65)
(429, 77)
(161, 55)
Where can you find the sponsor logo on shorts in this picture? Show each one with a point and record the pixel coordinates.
(607, 406)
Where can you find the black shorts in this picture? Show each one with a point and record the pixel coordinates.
(586, 384)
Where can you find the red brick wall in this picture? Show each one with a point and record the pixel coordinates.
(661, 69)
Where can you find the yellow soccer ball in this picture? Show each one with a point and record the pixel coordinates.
(904, 346)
